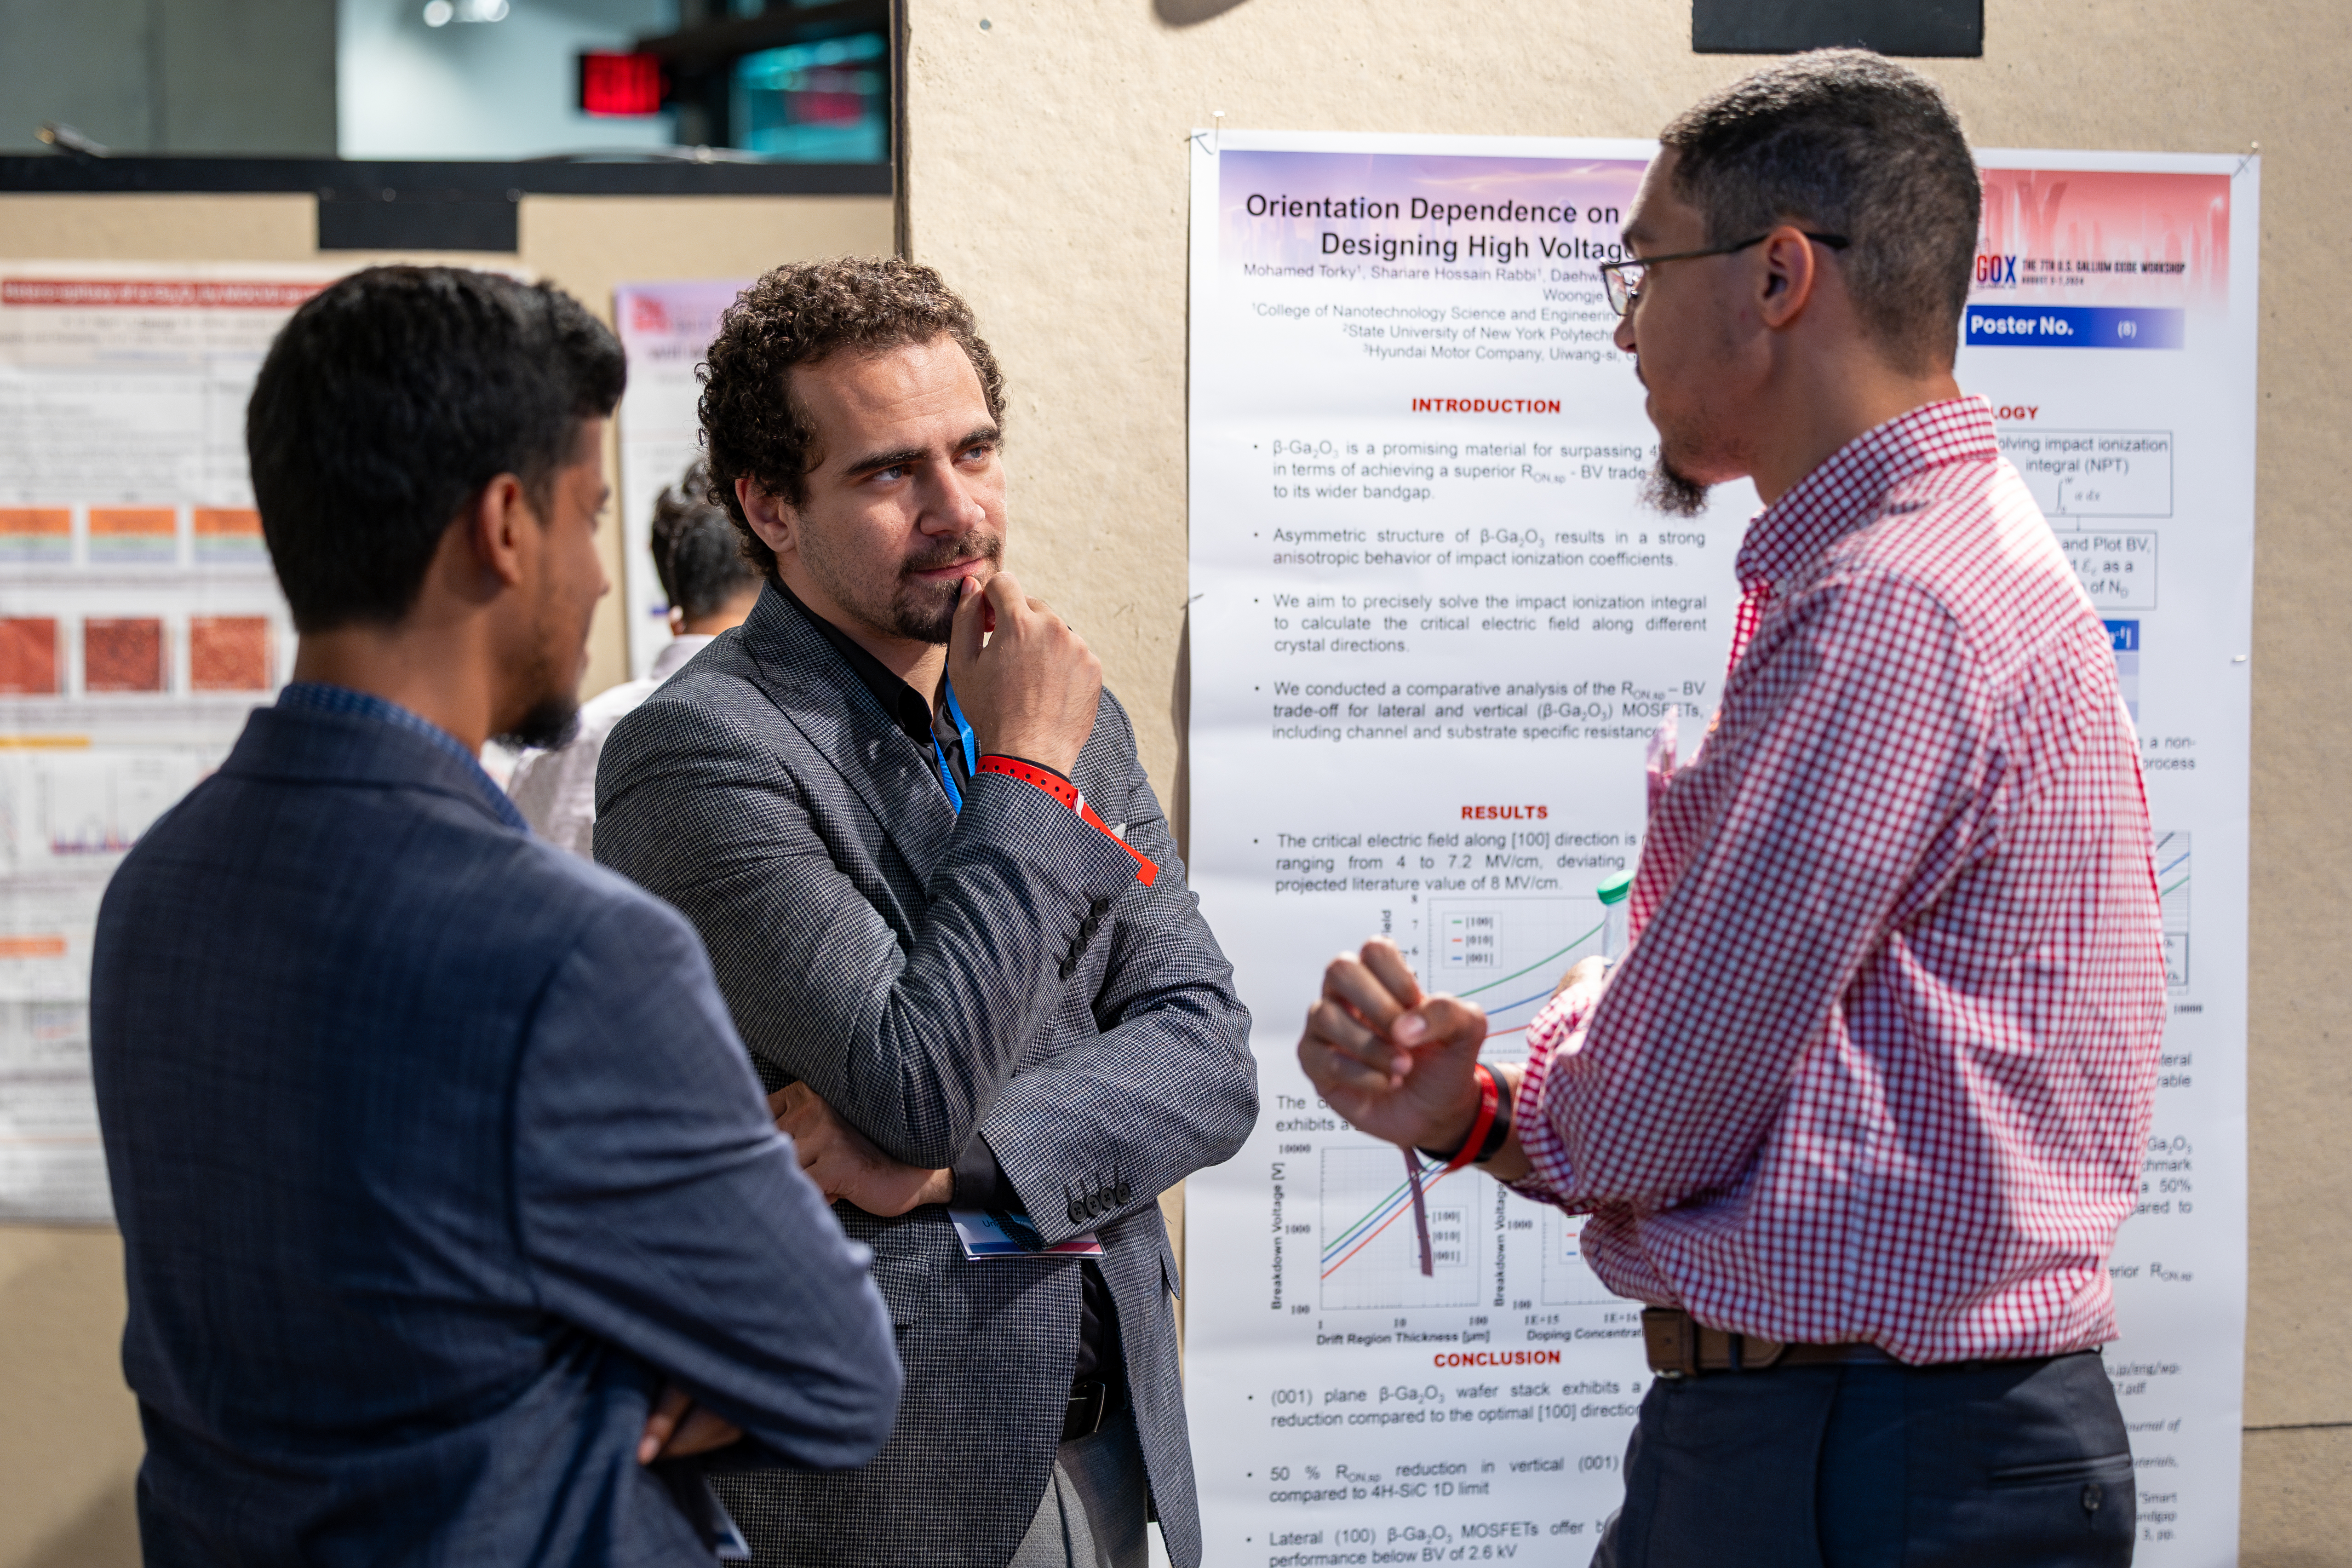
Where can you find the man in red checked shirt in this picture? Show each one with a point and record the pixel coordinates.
(1862, 1108)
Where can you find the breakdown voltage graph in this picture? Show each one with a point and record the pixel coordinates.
(1371, 1256)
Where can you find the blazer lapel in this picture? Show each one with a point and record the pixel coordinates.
(822, 697)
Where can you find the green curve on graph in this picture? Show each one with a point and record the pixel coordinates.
(1539, 963)
(2174, 888)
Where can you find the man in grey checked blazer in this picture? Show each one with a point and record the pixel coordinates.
(961, 988)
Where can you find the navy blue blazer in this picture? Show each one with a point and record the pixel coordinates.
(435, 1152)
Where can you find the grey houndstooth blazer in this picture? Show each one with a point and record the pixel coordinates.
(933, 976)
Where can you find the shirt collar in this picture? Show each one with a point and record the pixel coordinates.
(906, 706)
(675, 653)
(318, 697)
(1846, 490)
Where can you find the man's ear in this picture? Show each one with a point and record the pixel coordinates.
(1790, 270)
(494, 525)
(774, 518)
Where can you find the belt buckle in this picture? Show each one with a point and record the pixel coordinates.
(1089, 1408)
(1670, 1336)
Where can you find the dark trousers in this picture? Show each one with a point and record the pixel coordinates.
(2017, 1463)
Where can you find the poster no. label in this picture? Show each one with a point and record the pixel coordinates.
(1433, 629)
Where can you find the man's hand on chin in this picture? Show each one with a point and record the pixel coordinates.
(1029, 684)
(1395, 1063)
(845, 1165)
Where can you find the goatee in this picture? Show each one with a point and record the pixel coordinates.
(1670, 490)
(932, 620)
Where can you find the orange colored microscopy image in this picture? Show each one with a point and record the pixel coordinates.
(29, 657)
(228, 652)
(123, 656)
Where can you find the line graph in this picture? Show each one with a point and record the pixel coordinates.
(2172, 868)
(1508, 955)
(1368, 1259)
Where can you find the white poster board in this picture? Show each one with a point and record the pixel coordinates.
(139, 623)
(665, 329)
(1431, 630)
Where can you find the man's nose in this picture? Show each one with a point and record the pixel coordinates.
(948, 505)
(1623, 336)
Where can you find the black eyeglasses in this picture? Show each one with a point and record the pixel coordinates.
(1623, 279)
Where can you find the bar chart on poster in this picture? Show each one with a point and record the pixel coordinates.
(1434, 629)
(139, 624)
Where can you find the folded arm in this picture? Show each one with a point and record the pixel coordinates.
(659, 1211)
(1169, 1085)
(910, 1043)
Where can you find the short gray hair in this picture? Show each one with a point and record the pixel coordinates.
(1847, 141)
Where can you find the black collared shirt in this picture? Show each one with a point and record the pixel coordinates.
(909, 708)
(978, 1178)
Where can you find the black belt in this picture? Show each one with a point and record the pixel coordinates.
(1093, 1402)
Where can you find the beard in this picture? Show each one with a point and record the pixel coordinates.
(1670, 490)
(551, 721)
(552, 717)
(916, 610)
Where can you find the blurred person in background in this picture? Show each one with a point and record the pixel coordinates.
(710, 588)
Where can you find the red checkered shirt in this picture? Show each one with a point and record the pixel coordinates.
(1880, 1062)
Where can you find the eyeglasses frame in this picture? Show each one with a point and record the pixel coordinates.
(1613, 273)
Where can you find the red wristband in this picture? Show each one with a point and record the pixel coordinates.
(1065, 792)
(1489, 1099)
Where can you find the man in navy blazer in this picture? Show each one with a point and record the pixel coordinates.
(454, 1220)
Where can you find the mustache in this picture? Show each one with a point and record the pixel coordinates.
(970, 547)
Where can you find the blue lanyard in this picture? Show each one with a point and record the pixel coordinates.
(970, 749)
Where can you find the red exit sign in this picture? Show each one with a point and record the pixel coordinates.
(619, 85)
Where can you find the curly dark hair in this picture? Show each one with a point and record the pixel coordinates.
(800, 314)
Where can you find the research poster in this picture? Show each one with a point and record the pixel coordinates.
(665, 329)
(1433, 631)
(139, 623)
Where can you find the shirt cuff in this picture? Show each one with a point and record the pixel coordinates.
(979, 1179)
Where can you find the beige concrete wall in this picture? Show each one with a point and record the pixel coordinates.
(69, 1454)
(1047, 177)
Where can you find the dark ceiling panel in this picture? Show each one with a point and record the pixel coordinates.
(1914, 27)
(56, 171)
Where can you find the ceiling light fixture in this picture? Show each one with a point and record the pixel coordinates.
(441, 13)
